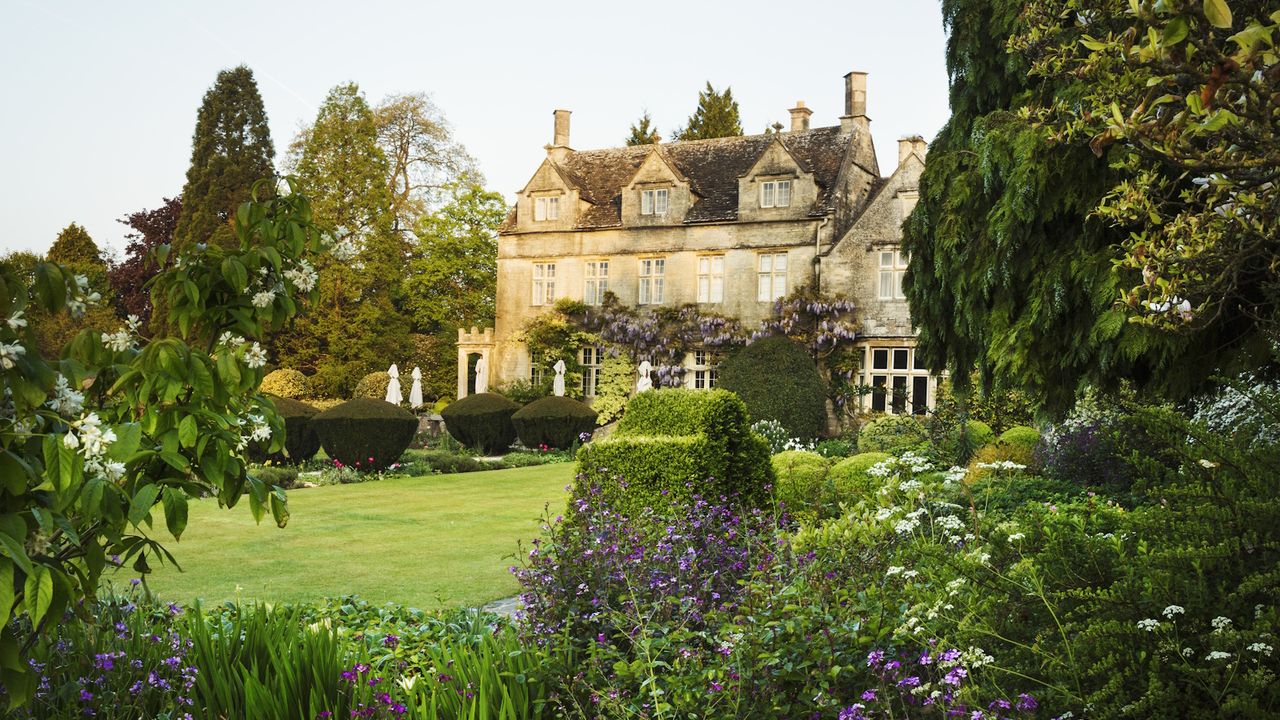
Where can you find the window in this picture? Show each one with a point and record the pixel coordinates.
(546, 208)
(597, 283)
(653, 202)
(651, 272)
(711, 279)
(893, 265)
(775, 193)
(705, 374)
(537, 371)
(898, 380)
(591, 359)
(771, 280)
(544, 283)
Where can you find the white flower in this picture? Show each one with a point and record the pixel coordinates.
(906, 525)
(70, 440)
(260, 432)
(883, 514)
(303, 277)
(66, 402)
(263, 298)
(345, 250)
(910, 574)
(118, 341)
(1016, 537)
(1149, 624)
(9, 354)
(1172, 610)
(1217, 655)
(1188, 652)
(893, 570)
(16, 321)
(113, 470)
(1220, 623)
(92, 437)
(230, 340)
(1208, 464)
(255, 356)
(1260, 647)
(954, 475)
(1002, 465)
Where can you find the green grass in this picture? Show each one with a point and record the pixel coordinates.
(427, 542)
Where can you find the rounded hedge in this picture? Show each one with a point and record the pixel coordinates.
(301, 442)
(373, 385)
(482, 421)
(997, 452)
(850, 478)
(890, 433)
(778, 380)
(285, 383)
(553, 421)
(801, 476)
(1022, 436)
(366, 433)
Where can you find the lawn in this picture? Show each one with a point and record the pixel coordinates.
(428, 542)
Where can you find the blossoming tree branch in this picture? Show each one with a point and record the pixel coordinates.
(93, 442)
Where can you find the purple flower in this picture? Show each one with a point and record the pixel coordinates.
(86, 696)
(391, 641)
(1026, 702)
(956, 675)
(875, 658)
(869, 695)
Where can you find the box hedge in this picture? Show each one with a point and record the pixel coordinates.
(778, 380)
(672, 444)
(890, 433)
(1021, 435)
(553, 421)
(366, 433)
(301, 442)
(482, 421)
(285, 383)
(850, 478)
(374, 385)
(801, 486)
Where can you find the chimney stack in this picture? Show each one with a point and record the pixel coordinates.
(562, 129)
(912, 144)
(800, 117)
(855, 101)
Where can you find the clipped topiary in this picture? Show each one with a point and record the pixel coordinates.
(365, 433)
(373, 385)
(1022, 436)
(890, 433)
(301, 442)
(285, 383)
(777, 380)
(850, 478)
(482, 421)
(553, 421)
(801, 478)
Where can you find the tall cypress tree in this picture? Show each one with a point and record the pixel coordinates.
(230, 151)
(716, 116)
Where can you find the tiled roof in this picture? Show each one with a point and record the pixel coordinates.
(712, 168)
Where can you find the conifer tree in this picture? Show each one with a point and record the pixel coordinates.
(643, 132)
(75, 248)
(230, 151)
(716, 116)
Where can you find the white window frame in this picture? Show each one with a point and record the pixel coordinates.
(706, 373)
(771, 280)
(652, 274)
(592, 358)
(775, 193)
(710, 278)
(655, 202)
(544, 283)
(596, 281)
(893, 266)
(546, 208)
(901, 368)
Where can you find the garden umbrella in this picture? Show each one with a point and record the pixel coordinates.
(415, 393)
(394, 396)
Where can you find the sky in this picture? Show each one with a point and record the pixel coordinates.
(101, 97)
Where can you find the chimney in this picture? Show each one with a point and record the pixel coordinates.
(855, 100)
(912, 144)
(800, 117)
(562, 129)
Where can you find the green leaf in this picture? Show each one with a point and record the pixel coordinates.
(235, 273)
(38, 593)
(128, 439)
(175, 511)
(1217, 12)
(6, 590)
(15, 473)
(187, 431)
(142, 503)
(1175, 32)
(176, 461)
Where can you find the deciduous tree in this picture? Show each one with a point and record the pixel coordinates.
(423, 159)
(129, 277)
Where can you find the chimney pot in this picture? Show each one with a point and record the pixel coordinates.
(800, 117)
(561, 138)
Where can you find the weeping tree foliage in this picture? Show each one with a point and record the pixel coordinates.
(1010, 274)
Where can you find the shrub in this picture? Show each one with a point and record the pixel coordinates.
(672, 444)
(1022, 436)
(837, 448)
(523, 392)
(995, 453)
(960, 442)
(801, 479)
(366, 433)
(373, 385)
(850, 479)
(890, 433)
(613, 388)
(445, 462)
(482, 421)
(285, 383)
(773, 433)
(285, 477)
(553, 421)
(301, 443)
(777, 380)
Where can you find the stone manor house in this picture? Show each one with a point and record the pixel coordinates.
(731, 224)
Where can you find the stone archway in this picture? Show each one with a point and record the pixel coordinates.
(473, 346)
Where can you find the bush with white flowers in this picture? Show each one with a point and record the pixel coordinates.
(92, 442)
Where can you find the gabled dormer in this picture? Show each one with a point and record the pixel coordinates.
(777, 187)
(548, 202)
(658, 194)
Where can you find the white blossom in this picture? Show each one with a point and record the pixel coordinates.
(9, 354)
(230, 340)
(1220, 623)
(93, 438)
(133, 322)
(1149, 624)
(1217, 655)
(255, 356)
(66, 401)
(303, 277)
(906, 525)
(118, 341)
(1002, 465)
(1260, 647)
(893, 570)
(263, 298)
(1016, 536)
(16, 321)
(1208, 464)
(1172, 610)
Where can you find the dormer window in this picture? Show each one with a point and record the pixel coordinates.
(775, 193)
(654, 202)
(546, 208)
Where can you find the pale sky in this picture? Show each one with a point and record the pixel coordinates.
(101, 97)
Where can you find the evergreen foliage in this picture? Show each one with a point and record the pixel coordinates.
(1020, 435)
(777, 380)
(301, 442)
(231, 149)
(74, 248)
(890, 433)
(801, 484)
(482, 421)
(613, 388)
(850, 478)
(643, 132)
(555, 422)
(716, 117)
(365, 433)
(285, 383)
(373, 385)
